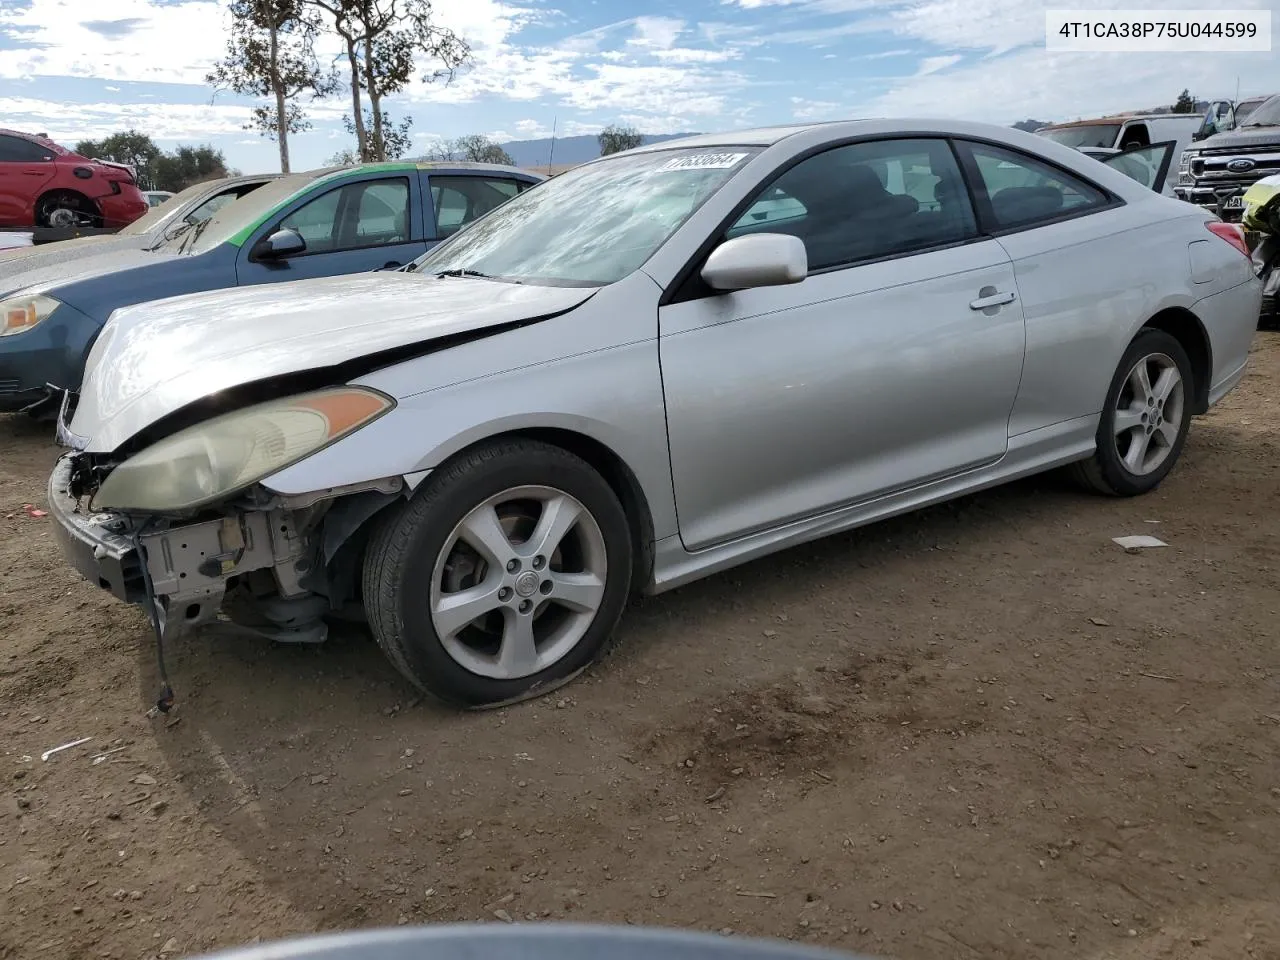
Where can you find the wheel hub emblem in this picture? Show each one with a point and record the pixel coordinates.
(527, 584)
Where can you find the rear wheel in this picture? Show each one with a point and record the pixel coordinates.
(1145, 420)
(503, 577)
(64, 208)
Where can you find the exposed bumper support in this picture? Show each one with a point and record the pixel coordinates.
(190, 565)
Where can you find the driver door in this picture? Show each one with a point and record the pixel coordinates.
(371, 223)
(1150, 166)
(896, 362)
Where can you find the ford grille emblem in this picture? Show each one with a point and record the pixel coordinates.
(1240, 165)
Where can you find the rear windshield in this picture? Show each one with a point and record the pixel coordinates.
(1265, 114)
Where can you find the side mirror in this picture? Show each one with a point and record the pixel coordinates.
(756, 260)
(282, 243)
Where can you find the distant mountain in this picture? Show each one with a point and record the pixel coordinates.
(568, 151)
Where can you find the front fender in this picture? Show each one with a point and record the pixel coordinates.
(612, 396)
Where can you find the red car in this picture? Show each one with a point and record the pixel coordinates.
(44, 185)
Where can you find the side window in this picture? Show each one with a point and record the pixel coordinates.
(459, 200)
(17, 150)
(773, 207)
(381, 213)
(317, 222)
(865, 201)
(1024, 191)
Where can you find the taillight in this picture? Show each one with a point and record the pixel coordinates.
(1233, 233)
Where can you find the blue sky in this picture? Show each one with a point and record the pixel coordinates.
(85, 68)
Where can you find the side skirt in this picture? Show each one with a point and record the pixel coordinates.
(1029, 453)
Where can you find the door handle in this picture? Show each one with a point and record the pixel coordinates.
(988, 300)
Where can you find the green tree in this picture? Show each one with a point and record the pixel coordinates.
(187, 165)
(158, 169)
(131, 147)
(615, 139)
(270, 53)
(1185, 103)
(386, 139)
(383, 41)
(1030, 126)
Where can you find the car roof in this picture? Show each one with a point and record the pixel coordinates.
(1122, 119)
(750, 137)
(442, 165)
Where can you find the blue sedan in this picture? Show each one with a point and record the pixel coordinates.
(316, 224)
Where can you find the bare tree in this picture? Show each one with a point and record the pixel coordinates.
(383, 41)
(473, 148)
(615, 139)
(270, 53)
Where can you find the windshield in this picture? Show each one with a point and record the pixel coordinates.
(1266, 114)
(1085, 135)
(592, 225)
(231, 218)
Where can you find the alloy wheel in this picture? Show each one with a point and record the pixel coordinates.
(1148, 415)
(518, 582)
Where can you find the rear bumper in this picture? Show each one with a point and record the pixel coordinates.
(121, 209)
(1230, 319)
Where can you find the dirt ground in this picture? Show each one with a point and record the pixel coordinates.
(980, 731)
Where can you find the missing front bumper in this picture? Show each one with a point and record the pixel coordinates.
(191, 566)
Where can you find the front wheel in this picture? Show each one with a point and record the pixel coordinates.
(503, 577)
(1145, 420)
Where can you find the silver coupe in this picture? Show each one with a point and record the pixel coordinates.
(646, 370)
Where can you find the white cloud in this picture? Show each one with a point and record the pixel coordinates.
(802, 109)
(656, 33)
(69, 122)
(172, 43)
(1060, 86)
(933, 64)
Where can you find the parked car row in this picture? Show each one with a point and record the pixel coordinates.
(650, 368)
(55, 299)
(1215, 172)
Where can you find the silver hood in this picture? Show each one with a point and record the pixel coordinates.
(44, 274)
(155, 358)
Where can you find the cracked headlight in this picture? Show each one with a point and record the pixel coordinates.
(212, 460)
(20, 313)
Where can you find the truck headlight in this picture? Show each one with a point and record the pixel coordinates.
(212, 460)
(20, 313)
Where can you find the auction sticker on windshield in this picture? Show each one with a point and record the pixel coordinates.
(704, 161)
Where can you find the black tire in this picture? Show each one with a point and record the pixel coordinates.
(403, 549)
(1105, 472)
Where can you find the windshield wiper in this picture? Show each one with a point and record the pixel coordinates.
(463, 272)
(172, 234)
(194, 235)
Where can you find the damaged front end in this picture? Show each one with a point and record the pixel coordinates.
(185, 528)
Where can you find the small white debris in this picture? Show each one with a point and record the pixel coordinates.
(1138, 543)
(66, 746)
